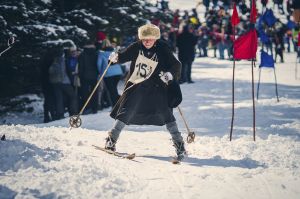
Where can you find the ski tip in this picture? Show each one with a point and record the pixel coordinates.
(175, 161)
(131, 156)
(3, 137)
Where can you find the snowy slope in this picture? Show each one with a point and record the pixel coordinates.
(52, 161)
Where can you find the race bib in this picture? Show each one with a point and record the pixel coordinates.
(144, 68)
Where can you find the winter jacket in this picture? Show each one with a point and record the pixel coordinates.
(146, 103)
(58, 72)
(186, 42)
(88, 64)
(296, 4)
(113, 70)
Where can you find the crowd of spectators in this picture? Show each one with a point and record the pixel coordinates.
(69, 74)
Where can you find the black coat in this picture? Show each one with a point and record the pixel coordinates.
(296, 4)
(88, 64)
(146, 103)
(186, 42)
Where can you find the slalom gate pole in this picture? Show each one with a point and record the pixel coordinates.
(191, 135)
(232, 116)
(276, 90)
(233, 74)
(296, 65)
(257, 92)
(253, 100)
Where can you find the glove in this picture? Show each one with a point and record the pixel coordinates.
(113, 57)
(166, 77)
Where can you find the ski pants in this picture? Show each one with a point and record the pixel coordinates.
(171, 127)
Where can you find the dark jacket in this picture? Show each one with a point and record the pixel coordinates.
(146, 103)
(88, 64)
(296, 4)
(186, 42)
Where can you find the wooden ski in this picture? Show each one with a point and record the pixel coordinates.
(121, 155)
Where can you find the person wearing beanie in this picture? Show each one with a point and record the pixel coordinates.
(145, 99)
(100, 36)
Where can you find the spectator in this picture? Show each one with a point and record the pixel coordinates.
(100, 36)
(47, 88)
(296, 12)
(72, 67)
(113, 74)
(173, 38)
(62, 85)
(88, 75)
(203, 40)
(186, 42)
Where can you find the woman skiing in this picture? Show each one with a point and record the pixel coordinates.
(145, 100)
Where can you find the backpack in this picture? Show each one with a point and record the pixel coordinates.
(55, 71)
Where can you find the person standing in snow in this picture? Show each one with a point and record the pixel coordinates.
(113, 74)
(61, 83)
(145, 100)
(47, 87)
(88, 74)
(186, 42)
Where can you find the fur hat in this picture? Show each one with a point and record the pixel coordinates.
(149, 31)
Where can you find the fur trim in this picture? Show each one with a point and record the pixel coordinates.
(149, 31)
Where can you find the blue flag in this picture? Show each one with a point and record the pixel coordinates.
(259, 23)
(290, 25)
(269, 18)
(266, 60)
(263, 37)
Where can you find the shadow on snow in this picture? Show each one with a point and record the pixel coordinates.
(18, 154)
(216, 161)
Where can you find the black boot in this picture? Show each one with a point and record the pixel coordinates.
(110, 143)
(180, 150)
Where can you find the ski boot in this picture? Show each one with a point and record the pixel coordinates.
(180, 150)
(110, 144)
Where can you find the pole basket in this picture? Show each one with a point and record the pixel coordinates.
(191, 137)
(75, 121)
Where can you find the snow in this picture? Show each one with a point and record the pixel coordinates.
(50, 160)
(179, 4)
(9, 7)
(65, 42)
(83, 13)
(51, 29)
(53, 161)
(46, 1)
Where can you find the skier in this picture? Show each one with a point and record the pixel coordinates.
(144, 100)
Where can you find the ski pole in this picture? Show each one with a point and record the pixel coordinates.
(191, 135)
(75, 120)
(10, 43)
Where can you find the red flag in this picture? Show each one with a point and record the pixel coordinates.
(245, 46)
(235, 20)
(253, 13)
